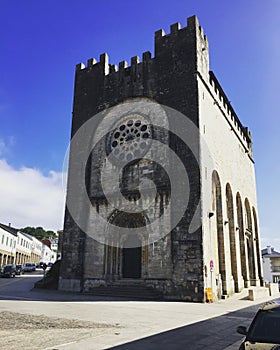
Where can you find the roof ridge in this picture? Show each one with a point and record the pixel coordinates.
(9, 229)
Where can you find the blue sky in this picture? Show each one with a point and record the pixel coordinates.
(41, 42)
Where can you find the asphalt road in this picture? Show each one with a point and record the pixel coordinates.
(19, 287)
(143, 325)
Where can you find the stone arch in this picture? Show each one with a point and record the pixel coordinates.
(217, 208)
(232, 238)
(249, 240)
(257, 241)
(240, 223)
(248, 217)
(121, 262)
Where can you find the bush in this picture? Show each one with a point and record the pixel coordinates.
(50, 281)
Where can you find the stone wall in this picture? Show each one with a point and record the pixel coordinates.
(229, 144)
(178, 77)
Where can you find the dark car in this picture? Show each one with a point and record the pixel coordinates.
(19, 269)
(29, 267)
(264, 331)
(8, 271)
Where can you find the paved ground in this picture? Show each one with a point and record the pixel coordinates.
(25, 331)
(128, 324)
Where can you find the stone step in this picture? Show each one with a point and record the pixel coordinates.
(258, 293)
(251, 293)
(242, 295)
(128, 282)
(133, 292)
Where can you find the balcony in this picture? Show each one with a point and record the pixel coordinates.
(275, 268)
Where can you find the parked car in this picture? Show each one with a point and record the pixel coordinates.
(19, 269)
(8, 271)
(29, 267)
(263, 333)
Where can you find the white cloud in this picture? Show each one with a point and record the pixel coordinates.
(29, 198)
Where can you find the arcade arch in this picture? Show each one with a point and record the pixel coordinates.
(220, 256)
(232, 239)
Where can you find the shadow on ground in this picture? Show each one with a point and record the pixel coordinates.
(217, 333)
(36, 294)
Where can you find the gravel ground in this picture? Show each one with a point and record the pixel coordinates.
(37, 332)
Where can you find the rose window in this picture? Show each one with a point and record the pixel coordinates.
(130, 139)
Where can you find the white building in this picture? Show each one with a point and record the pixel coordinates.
(36, 249)
(18, 247)
(8, 241)
(46, 256)
(271, 264)
(23, 248)
(54, 248)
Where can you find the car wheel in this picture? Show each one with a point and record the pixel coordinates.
(242, 347)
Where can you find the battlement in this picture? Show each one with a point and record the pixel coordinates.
(112, 68)
(175, 29)
(224, 103)
(182, 50)
(163, 42)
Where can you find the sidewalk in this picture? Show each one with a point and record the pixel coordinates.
(133, 319)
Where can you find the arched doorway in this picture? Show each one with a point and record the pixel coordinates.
(131, 260)
(125, 256)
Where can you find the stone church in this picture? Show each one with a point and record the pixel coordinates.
(161, 185)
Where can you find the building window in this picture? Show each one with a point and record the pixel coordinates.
(131, 138)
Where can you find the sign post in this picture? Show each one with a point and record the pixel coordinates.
(211, 272)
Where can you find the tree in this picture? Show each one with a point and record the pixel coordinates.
(39, 232)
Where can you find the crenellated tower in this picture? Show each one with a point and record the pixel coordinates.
(182, 264)
(169, 77)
